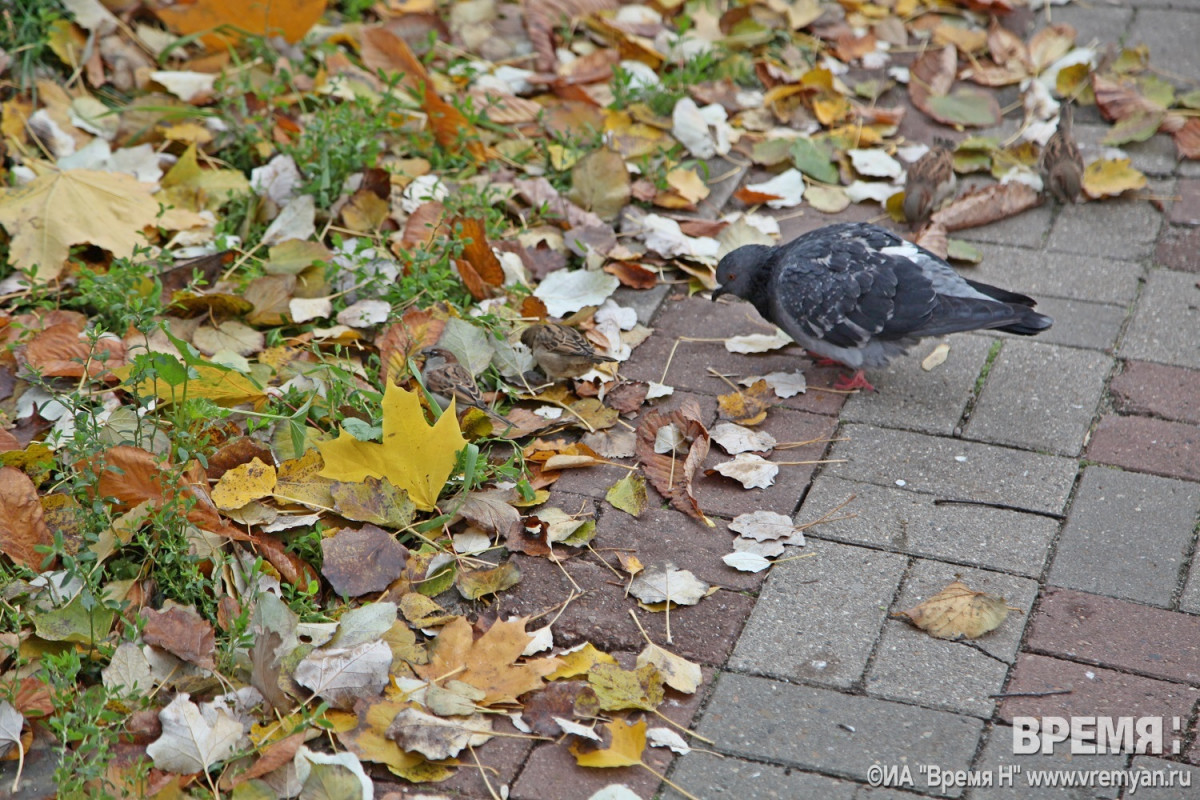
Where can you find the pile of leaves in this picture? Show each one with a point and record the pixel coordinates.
(243, 550)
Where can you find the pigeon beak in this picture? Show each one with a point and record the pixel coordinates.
(720, 290)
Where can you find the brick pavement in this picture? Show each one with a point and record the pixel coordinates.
(1089, 436)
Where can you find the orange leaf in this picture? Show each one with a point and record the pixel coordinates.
(290, 566)
(753, 198)
(22, 520)
(487, 663)
(418, 328)
(273, 757)
(479, 252)
(422, 225)
(291, 20)
(632, 275)
(64, 351)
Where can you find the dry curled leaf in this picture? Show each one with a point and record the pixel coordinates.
(672, 474)
(958, 611)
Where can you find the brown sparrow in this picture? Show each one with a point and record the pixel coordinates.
(930, 181)
(561, 351)
(1061, 163)
(444, 378)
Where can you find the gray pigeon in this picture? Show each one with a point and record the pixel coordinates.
(860, 295)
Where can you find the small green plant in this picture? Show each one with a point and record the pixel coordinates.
(87, 730)
(25, 35)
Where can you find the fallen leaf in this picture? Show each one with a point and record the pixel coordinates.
(617, 688)
(437, 738)
(364, 561)
(182, 632)
(223, 23)
(343, 675)
(936, 357)
(414, 455)
(785, 190)
(487, 663)
(784, 384)
(958, 611)
(245, 482)
(194, 738)
(749, 407)
(758, 342)
(765, 526)
(629, 494)
(735, 438)
(23, 526)
(567, 291)
(983, 206)
(600, 184)
(479, 583)
(661, 585)
(672, 476)
(751, 470)
(676, 671)
(1109, 178)
(744, 561)
(628, 742)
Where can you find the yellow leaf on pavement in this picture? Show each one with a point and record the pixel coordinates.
(58, 209)
(1109, 178)
(414, 455)
(628, 742)
(487, 663)
(958, 611)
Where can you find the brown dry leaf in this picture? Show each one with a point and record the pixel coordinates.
(221, 23)
(437, 738)
(416, 329)
(671, 475)
(542, 17)
(958, 611)
(22, 521)
(1187, 138)
(272, 757)
(181, 631)
(65, 351)
(994, 202)
(1118, 97)
(478, 251)
(932, 77)
(365, 212)
(374, 500)
(935, 238)
(364, 561)
(747, 407)
(291, 567)
(489, 662)
(600, 183)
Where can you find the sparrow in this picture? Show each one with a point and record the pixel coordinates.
(1061, 164)
(561, 351)
(930, 181)
(445, 378)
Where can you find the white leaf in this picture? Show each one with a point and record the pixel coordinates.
(664, 236)
(623, 316)
(303, 309)
(765, 549)
(691, 129)
(741, 232)
(566, 291)
(184, 84)
(658, 390)
(758, 342)
(566, 726)
(128, 672)
(542, 639)
(341, 676)
(365, 313)
(665, 737)
(784, 384)
(423, 189)
(787, 186)
(469, 344)
(277, 180)
(11, 722)
(678, 585)
(305, 759)
(367, 623)
(737, 439)
(193, 738)
(669, 439)
(763, 525)
(297, 220)
(752, 471)
(875, 163)
(616, 791)
(470, 542)
(936, 358)
(744, 561)
(871, 190)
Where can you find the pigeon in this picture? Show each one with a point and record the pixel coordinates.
(930, 181)
(561, 351)
(860, 295)
(1061, 163)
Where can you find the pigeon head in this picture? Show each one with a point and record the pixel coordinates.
(745, 272)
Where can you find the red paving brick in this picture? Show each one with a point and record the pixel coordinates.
(1186, 208)
(1094, 692)
(1149, 445)
(1178, 248)
(1158, 391)
(1117, 634)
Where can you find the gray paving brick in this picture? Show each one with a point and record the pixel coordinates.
(1119, 228)
(1171, 35)
(1190, 600)
(817, 618)
(1041, 274)
(1166, 322)
(1166, 778)
(998, 752)
(1027, 229)
(1093, 22)
(834, 733)
(910, 523)
(910, 397)
(1040, 397)
(644, 301)
(1127, 535)
(951, 468)
(1093, 326)
(713, 777)
(912, 666)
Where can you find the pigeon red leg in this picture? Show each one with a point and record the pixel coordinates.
(857, 381)
(822, 361)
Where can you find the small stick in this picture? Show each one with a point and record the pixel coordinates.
(1031, 694)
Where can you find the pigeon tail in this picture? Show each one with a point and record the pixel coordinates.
(1029, 323)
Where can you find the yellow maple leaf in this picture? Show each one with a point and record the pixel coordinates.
(487, 663)
(61, 208)
(414, 455)
(628, 742)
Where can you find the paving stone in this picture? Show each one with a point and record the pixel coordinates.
(713, 777)
(1177, 248)
(1127, 535)
(724, 179)
(1170, 34)
(909, 522)
(1118, 228)
(953, 469)
(685, 364)
(1166, 322)
(1028, 229)
(1093, 692)
(504, 754)
(1159, 391)
(1117, 634)
(998, 754)
(1149, 445)
(1041, 274)
(1094, 22)
(1040, 396)
(1167, 778)
(644, 301)
(1092, 326)
(1186, 208)
(817, 618)
(1189, 601)
(802, 726)
(911, 398)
